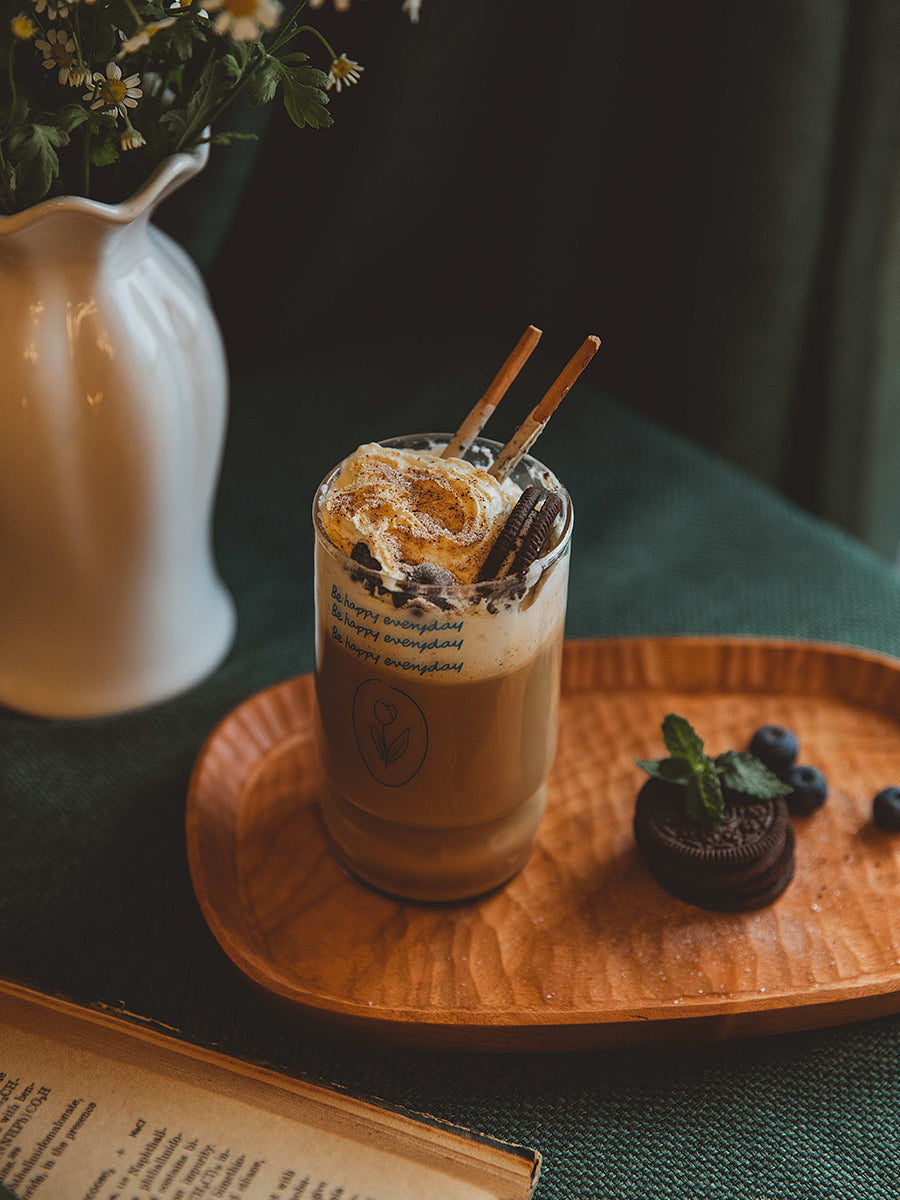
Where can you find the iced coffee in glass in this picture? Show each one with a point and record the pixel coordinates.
(440, 602)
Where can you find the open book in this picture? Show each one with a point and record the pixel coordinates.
(93, 1107)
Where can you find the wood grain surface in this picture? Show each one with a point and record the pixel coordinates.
(583, 948)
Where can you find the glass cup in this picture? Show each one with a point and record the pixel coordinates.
(438, 710)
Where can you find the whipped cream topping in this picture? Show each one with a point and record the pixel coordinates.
(412, 507)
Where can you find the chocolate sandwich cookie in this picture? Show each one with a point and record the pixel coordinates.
(531, 546)
(743, 863)
(524, 534)
(506, 540)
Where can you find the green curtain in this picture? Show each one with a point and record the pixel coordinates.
(711, 187)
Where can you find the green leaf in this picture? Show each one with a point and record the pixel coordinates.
(213, 86)
(177, 121)
(305, 98)
(182, 40)
(745, 773)
(689, 765)
(231, 66)
(672, 770)
(264, 84)
(33, 148)
(104, 153)
(681, 740)
(307, 107)
(70, 116)
(306, 76)
(704, 799)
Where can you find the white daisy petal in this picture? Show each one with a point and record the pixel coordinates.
(343, 71)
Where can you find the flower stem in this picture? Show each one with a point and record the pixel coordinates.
(286, 25)
(202, 120)
(135, 14)
(86, 161)
(4, 180)
(12, 78)
(4, 169)
(289, 34)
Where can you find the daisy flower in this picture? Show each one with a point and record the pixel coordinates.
(59, 53)
(131, 139)
(23, 27)
(143, 35)
(244, 19)
(54, 10)
(343, 70)
(113, 93)
(79, 75)
(339, 5)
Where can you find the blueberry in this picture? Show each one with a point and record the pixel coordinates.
(775, 747)
(886, 810)
(810, 789)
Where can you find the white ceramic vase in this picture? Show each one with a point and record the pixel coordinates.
(113, 408)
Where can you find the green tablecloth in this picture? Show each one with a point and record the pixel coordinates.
(95, 897)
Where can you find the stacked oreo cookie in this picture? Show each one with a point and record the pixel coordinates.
(715, 832)
(744, 862)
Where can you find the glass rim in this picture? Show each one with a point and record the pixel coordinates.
(483, 588)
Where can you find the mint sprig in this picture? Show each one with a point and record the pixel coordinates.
(703, 777)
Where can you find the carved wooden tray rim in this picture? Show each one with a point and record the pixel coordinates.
(240, 750)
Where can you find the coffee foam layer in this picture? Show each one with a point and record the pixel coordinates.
(465, 642)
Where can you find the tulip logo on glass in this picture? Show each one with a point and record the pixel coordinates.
(391, 732)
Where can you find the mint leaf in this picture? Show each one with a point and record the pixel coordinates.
(745, 773)
(681, 740)
(688, 765)
(672, 770)
(704, 799)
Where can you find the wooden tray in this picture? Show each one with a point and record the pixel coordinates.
(583, 948)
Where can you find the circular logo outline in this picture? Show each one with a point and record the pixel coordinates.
(388, 749)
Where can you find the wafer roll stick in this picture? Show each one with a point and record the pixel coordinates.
(526, 435)
(477, 418)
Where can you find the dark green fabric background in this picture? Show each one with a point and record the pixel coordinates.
(96, 900)
(709, 187)
(713, 188)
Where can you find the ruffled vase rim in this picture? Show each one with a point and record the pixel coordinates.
(166, 176)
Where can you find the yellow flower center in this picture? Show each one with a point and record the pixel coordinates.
(341, 68)
(242, 8)
(60, 55)
(113, 91)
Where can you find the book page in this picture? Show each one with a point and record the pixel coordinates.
(94, 1111)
